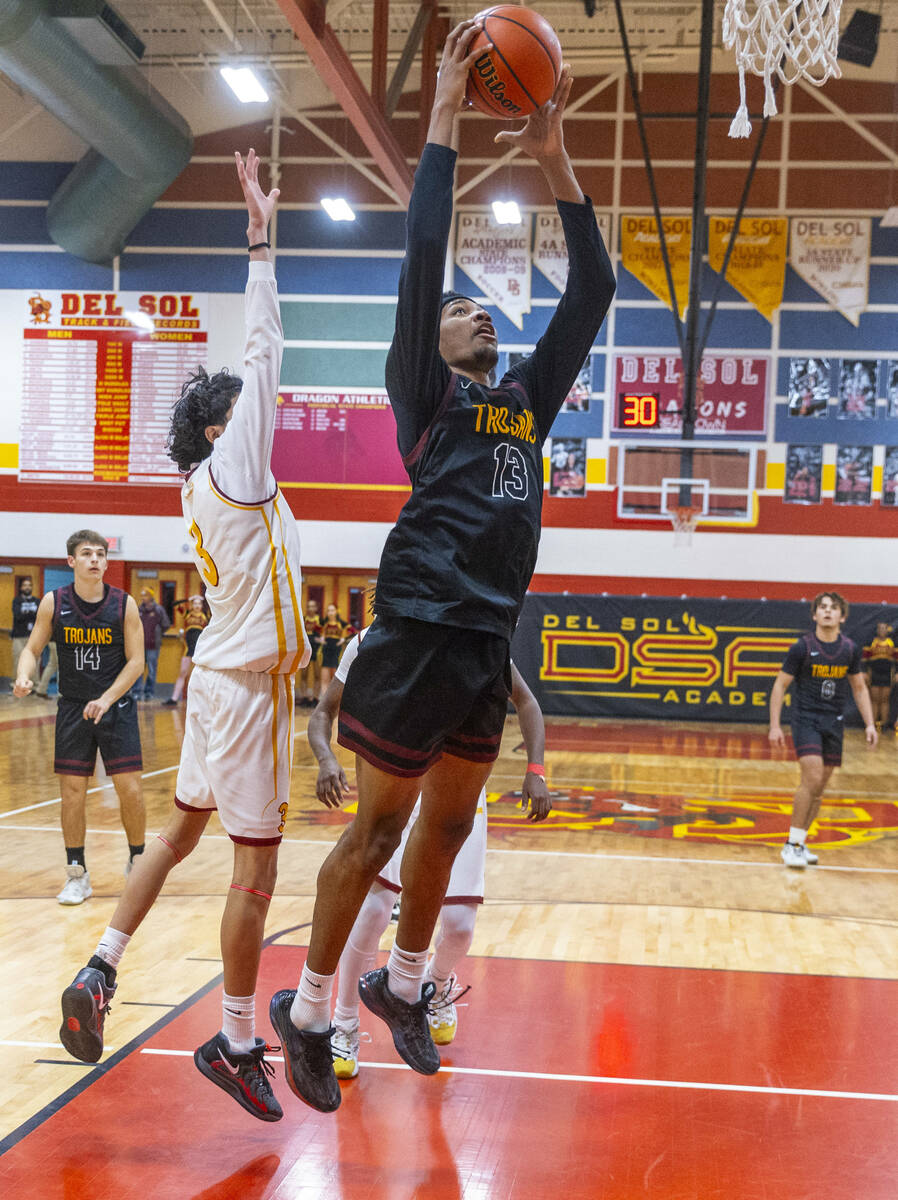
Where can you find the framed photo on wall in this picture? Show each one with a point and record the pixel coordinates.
(567, 467)
(804, 473)
(857, 389)
(890, 478)
(854, 474)
(808, 387)
(577, 399)
(891, 369)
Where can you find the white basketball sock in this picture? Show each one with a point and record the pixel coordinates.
(798, 836)
(456, 932)
(238, 1022)
(311, 1007)
(358, 955)
(112, 946)
(405, 973)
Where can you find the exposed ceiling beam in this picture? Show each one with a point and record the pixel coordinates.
(307, 20)
(887, 151)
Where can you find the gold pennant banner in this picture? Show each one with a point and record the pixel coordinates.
(640, 248)
(757, 266)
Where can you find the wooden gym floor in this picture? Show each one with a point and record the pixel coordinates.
(658, 1007)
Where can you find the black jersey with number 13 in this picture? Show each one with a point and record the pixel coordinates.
(464, 547)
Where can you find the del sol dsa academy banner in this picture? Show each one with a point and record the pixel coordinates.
(690, 659)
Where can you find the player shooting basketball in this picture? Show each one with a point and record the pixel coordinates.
(429, 693)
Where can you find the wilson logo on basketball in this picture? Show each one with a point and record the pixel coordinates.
(493, 84)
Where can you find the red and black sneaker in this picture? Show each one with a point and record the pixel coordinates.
(243, 1076)
(85, 1003)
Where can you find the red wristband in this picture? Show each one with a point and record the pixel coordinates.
(536, 769)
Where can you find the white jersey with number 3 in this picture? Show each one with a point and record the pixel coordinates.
(245, 540)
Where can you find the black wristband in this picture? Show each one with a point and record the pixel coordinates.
(261, 246)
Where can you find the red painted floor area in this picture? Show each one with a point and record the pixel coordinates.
(151, 1127)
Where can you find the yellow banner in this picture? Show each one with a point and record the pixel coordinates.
(641, 254)
(757, 266)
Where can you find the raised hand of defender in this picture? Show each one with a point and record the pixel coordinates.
(542, 136)
(259, 205)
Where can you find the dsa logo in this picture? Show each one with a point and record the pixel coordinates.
(40, 309)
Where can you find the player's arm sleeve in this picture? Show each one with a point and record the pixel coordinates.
(416, 375)
(549, 372)
(241, 457)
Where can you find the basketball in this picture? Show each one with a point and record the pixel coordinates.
(520, 72)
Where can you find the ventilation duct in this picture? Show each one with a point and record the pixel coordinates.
(139, 143)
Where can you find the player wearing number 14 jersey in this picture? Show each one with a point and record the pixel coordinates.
(237, 750)
(99, 639)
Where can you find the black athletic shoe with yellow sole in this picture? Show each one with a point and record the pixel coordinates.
(408, 1022)
(308, 1061)
(243, 1076)
(85, 1003)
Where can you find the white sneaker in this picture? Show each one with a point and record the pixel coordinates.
(442, 1015)
(77, 886)
(345, 1051)
(810, 857)
(793, 855)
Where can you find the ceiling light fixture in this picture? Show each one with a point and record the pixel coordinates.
(337, 208)
(506, 212)
(245, 85)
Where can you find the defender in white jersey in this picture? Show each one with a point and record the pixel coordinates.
(463, 895)
(238, 742)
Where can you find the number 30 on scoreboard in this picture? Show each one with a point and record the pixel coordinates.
(637, 410)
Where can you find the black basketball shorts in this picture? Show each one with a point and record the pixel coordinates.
(117, 737)
(820, 735)
(418, 690)
(880, 673)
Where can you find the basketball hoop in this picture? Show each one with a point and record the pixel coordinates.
(793, 39)
(684, 519)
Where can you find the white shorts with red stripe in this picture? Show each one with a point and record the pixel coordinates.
(238, 751)
(466, 880)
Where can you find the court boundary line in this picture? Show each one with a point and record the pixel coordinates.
(14, 812)
(598, 854)
(605, 1080)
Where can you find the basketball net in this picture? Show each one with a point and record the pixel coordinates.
(684, 519)
(792, 39)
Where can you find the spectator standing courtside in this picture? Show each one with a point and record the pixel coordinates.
(155, 621)
(24, 612)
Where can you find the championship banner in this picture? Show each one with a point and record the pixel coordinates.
(497, 259)
(641, 254)
(692, 659)
(757, 266)
(832, 254)
(550, 248)
(731, 397)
